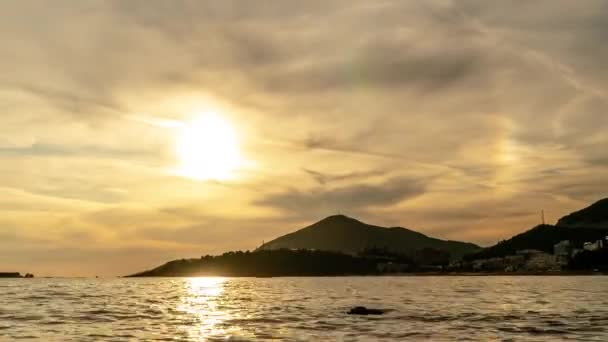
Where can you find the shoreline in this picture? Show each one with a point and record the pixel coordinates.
(413, 274)
(494, 274)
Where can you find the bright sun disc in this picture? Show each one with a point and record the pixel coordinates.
(208, 149)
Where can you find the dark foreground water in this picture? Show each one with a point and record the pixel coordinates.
(305, 309)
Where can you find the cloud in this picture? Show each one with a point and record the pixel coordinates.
(325, 178)
(67, 102)
(348, 199)
(391, 65)
(67, 151)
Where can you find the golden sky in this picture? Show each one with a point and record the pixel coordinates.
(135, 132)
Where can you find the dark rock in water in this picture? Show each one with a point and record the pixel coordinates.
(10, 275)
(362, 310)
(15, 275)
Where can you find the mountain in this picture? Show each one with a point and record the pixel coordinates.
(586, 225)
(594, 216)
(344, 234)
(337, 245)
(542, 238)
(340, 245)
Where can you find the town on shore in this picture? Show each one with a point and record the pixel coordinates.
(566, 257)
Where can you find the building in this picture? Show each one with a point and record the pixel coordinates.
(563, 252)
(489, 265)
(563, 248)
(528, 260)
(536, 261)
(593, 246)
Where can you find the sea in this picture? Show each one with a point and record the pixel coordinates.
(424, 308)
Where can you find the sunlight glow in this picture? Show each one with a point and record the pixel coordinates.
(202, 301)
(208, 149)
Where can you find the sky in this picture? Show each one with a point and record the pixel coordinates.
(136, 132)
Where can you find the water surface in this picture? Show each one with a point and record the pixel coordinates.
(305, 309)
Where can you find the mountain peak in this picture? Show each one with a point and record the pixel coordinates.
(339, 218)
(345, 234)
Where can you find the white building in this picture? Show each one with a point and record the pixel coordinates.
(593, 246)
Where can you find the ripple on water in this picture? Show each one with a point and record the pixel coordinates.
(307, 309)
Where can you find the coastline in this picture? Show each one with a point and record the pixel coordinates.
(413, 274)
(494, 274)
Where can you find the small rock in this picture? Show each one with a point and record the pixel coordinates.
(362, 310)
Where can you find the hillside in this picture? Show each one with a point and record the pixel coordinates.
(266, 263)
(589, 224)
(594, 216)
(347, 235)
(337, 245)
(541, 238)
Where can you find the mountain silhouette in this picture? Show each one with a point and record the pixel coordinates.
(341, 245)
(586, 225)
(594, 216)
(542, 238)
(347, 235)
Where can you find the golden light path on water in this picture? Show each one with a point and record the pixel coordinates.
(203, 301)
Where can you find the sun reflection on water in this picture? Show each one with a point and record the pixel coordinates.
(207, 286)
(203, 301)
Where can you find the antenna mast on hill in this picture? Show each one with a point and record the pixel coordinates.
(542, 216)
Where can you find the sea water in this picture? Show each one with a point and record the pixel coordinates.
(494, 308)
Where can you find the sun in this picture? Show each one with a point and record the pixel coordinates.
(208, 148)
